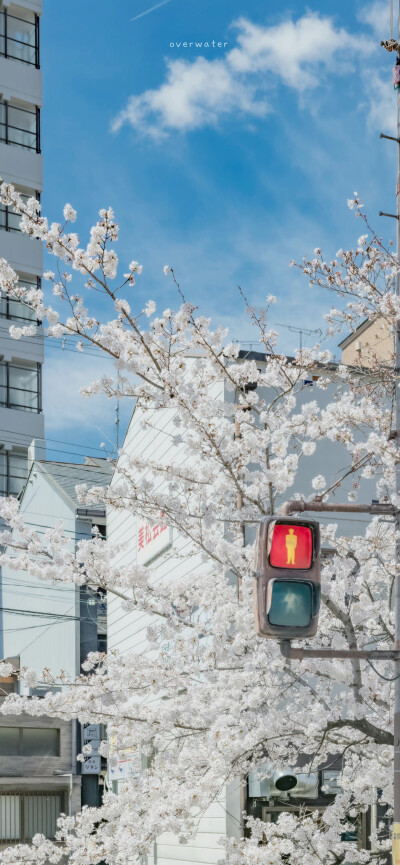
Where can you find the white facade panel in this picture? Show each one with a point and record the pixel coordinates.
(22, 253)
(20, 427)
(21, 167)
(33, 5)
(20, 81)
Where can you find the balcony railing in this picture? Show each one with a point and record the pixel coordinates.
(16, 310)
(20, 126)
(21, 387)
(19, 38)
(13, 472)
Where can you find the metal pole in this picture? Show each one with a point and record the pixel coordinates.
(396, 768)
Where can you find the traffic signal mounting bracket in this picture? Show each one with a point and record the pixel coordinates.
(299, 654)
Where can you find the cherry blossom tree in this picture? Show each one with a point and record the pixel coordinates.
(210, 701)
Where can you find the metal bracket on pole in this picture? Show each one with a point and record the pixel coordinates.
(299, 654)
(392, 215)
(389, 137)
(295, 506)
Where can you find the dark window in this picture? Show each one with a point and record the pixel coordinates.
(9, 741)
(20, 126)
(23, 815)
(39, 742)
(13, 472)
(20, 386)
(29, 742)
(19, 37)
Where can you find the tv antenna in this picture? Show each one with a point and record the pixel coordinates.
(300, 331)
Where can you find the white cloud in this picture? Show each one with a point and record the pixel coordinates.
(198, 93)
(377, 15)
(194, 94)
(295, 51)
(64, 407)
(382, 99)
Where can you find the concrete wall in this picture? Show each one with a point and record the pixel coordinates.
(38, 767)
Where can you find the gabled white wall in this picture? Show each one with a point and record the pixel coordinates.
(42, 642)
(127, 631)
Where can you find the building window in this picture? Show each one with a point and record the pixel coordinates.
(23, 815)
(17, 310)
(20, 386)
(29, 742)
(13, 472)
(20, 125)
(9, 220)
(19, 37)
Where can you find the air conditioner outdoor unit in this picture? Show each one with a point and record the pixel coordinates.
(281, 784)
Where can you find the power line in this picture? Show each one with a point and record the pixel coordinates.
(40, 613)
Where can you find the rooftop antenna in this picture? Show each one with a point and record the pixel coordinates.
(300, 331)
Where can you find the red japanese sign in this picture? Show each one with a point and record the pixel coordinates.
(151, 540)
(291, 547)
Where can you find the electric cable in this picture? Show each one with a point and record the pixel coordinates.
(381, 676)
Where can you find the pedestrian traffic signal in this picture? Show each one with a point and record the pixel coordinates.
(287, 586)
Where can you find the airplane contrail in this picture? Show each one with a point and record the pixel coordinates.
(150, 10)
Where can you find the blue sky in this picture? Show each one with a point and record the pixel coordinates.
(223, 162)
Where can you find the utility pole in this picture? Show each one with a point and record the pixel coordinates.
(117, 416)
(396, 780)
(394, 45)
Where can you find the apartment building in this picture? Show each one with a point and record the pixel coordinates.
(21, 163)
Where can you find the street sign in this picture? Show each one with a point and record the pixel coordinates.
(91, 731)
(91, 765)
(287, 584)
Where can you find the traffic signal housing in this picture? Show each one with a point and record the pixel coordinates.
(287, 585)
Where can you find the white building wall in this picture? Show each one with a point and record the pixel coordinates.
(45, 642)
(127, 631)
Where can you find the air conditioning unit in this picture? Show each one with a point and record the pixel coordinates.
(281, 784)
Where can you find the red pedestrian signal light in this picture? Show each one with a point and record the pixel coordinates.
(287, 578)
(291, 546)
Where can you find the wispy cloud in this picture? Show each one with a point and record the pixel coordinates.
(65, 408)
(153, 8)
(377, 16)
(200, 92)
(382, 101)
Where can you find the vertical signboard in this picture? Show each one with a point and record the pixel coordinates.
(152, 539)
(92, 762)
